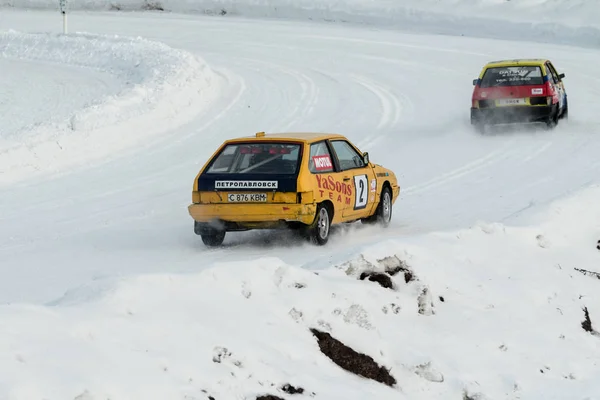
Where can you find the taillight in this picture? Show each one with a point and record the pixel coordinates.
(548, 100)
(475, 103)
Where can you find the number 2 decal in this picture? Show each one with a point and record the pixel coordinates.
(360, 188)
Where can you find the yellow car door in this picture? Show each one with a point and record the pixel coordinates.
(328, 182)
(359, 175)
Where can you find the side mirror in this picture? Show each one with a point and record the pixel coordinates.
(561, 76)
(475, 82)
(366, 157)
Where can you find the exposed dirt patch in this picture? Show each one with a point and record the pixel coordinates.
(384, 280)
(269, 397)
(598, 245)
(587, 322)
(394, 265)
(472, 396)
(351, 360)
(222, 354)
(152, 5)
(292, 389)
(588, 273)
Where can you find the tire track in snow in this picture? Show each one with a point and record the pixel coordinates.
(457, 173)
(373, 42)
(391, 110)
(309, 94)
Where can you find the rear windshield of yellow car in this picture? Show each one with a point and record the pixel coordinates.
(512, 76)
(257, 158)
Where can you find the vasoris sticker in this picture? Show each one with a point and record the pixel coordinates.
(245, 184)
(338, 191)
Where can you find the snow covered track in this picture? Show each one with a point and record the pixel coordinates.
(161, 88)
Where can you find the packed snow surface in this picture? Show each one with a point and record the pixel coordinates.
(107, 293)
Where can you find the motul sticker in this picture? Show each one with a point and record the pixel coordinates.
(322, 163)
(537, 91)
(373, 185)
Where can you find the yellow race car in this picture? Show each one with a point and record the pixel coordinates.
(305, 181)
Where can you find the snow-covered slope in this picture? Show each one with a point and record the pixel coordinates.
(490, 312)
(159, 89)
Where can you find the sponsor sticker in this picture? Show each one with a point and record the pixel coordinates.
(373, 185)
(245, 184)
(537, 91)
(322, 162)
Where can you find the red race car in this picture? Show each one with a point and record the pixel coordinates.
(518, 91)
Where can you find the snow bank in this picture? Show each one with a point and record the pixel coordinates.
(491, 312)
(559, 21)
(163, 87)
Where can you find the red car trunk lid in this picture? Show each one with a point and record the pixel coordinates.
(509, 92)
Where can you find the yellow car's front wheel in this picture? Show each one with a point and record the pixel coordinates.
(383, 213)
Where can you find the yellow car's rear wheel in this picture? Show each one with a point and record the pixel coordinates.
(318, 231)
(210, 236)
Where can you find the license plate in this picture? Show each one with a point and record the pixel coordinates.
(511, 102)
(247, 197)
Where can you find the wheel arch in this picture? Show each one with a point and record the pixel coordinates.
(387, 184)
(330, 209)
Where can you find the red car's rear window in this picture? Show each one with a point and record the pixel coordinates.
(512, 76)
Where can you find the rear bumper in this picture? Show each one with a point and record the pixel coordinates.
(504, 115)
(255, 216)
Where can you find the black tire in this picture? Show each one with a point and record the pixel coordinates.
(318, 231)
(210, 235)
(565, 114)
(213, 237)
(383, 213)
(552, 120)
